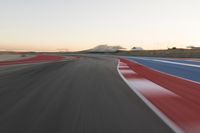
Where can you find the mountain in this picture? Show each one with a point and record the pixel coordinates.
(105, 48)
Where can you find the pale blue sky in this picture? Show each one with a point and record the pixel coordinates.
(81, 24)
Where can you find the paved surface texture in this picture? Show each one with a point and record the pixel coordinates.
(80, 96)
(185, 69)
(35, 59)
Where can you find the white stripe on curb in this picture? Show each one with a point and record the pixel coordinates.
(122, 67)
(127, 71)
(145, 86)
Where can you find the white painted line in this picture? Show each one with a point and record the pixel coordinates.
(194, 60)
(178, 63)
(172, 62)
(163, 117)
(167, 73)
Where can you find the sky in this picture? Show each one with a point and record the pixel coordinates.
(51, 25)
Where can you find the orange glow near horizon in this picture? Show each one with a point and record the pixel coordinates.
(77, 25)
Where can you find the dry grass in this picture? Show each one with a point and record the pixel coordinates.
(174, 53)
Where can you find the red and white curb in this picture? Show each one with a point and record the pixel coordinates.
(171, 107)
(38, 59)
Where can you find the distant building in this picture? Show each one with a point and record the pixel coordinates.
(136, 49)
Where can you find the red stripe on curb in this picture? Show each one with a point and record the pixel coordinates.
(176, 98)
(36, 59)
(132, 76)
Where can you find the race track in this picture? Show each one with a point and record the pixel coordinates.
(86, 95)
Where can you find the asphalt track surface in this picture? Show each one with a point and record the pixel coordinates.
(81, 96)
(184, 71)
